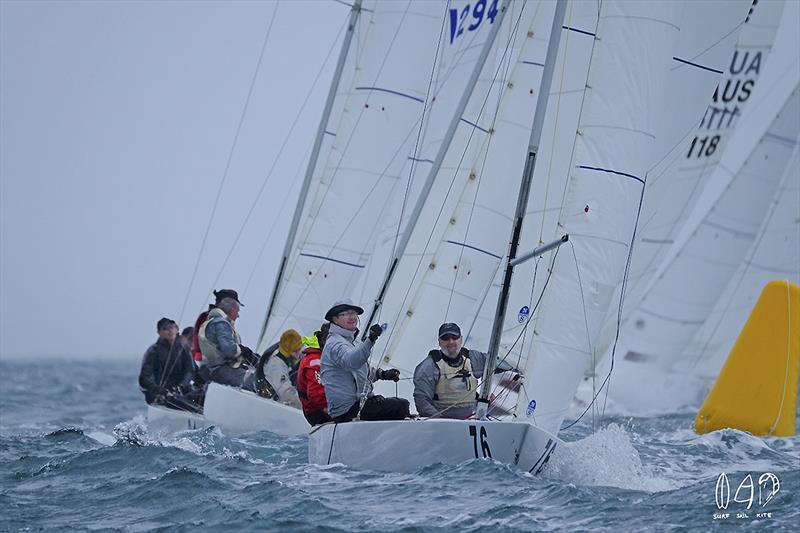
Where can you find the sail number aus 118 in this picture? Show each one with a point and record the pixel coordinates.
(705, 146)
(478, 10)
(473, 431)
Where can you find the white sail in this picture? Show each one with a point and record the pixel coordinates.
(448, 272)
(377, 110)
(774, 255)
(615, 149)
(660, 350)
(687, 165)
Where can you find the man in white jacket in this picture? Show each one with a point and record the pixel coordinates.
(281, 368)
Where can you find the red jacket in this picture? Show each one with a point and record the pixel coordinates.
(197, 355)
(309, 385)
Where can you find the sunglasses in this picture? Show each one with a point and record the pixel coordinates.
(449, 337)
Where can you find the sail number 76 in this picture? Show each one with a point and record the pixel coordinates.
(458, 20)
(473, 431)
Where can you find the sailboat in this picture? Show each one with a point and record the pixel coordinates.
(621, 56)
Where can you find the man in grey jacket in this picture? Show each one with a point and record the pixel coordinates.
(227, 359)
(346, 374)
(446, 381)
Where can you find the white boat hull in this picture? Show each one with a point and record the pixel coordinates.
(160, 418)
(409, 445)
(238, 411)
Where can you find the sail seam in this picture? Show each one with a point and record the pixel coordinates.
(576, 30)
(618, 173)
(465, 245)
(324, 258)
(391, 91)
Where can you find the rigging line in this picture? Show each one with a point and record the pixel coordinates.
(449, 189)
(589, 347)
(619, 308)
(415, 155)
(555, 128)
(296, 183)
(500, 94)
(788, 356)
(751, 254)
(266, 180)
(580, 112)
(228, 164)
(535, 308)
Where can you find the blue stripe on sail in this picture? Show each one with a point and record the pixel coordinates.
(465, 245)
(330, 133)
(533, 63)
(640, 180)
(697, 65)
(332, 259)
(474, 125)
(578, 31)
(420, 100)
(421, 160)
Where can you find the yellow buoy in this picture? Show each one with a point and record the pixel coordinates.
(756, 390)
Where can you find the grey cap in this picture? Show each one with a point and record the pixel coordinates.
(341, 306)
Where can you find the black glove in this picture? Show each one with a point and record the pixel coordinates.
(391, 374)
(248, 355)
(374, 332)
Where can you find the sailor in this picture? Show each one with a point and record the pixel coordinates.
(166, 366)
(309, 383)
(225, 357)
(281, 368)
(186, 336)
(446, 381)
(197, 354)
(346, 374)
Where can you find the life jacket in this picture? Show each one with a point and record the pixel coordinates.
(292, 364)
(210, 351)
(197, 354)
(457, 386)
(309, 384)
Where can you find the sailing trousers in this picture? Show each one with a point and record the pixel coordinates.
(378, 408)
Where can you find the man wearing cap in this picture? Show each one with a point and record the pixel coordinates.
(281, 368)
(346, 374)
(166, 365)
(446, 381)
(226, 358)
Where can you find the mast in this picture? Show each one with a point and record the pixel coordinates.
(437, 163)
(522, 202)
(312, 162)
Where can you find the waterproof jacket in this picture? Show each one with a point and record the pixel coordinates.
(164, 367)
(219, 341)
(277, 373)
(309, 382)
(345, 373)
(426, 376)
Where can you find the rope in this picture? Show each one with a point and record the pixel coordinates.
(228, 164)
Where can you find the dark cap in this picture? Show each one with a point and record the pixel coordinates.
(449, 328)
(340, 307)
(227, 293)
(187, 331)
(165, 323)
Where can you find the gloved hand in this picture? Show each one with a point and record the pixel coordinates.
(374, 332)
(391, 374)
(248, 355)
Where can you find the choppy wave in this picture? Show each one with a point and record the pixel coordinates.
(88, 460)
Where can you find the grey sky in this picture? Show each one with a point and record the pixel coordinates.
(116, 122)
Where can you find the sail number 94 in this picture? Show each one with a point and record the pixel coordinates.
(473, 431)
(459, 21)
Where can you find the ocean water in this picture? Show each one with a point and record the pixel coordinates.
(76, 453)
